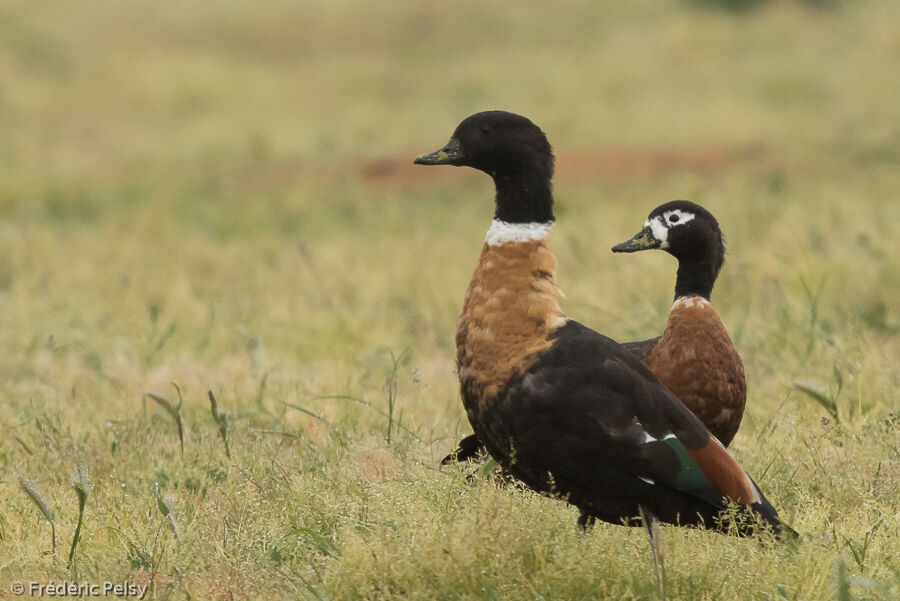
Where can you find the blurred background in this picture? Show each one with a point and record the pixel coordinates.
(142, 144)
(242, 173)
(221, 194)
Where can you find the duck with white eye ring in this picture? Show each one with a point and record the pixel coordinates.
(695, 357)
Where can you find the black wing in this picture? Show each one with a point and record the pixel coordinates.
(590, 422)
(639, 347)
(471, 448)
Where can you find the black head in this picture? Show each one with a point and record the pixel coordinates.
(512, 150)
(691, 234)
(496, 142)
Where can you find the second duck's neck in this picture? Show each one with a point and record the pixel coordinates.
(695, 277)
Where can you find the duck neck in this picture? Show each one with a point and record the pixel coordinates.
(695, 277)
(524, 197)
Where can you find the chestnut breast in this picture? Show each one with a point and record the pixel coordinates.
(697, 361)
(509, 311)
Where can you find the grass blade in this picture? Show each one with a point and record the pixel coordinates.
(80, 481)
(221, 419)
(173, 410)
(843, 582)
(40, 501)
(815, 392)
(167, 504)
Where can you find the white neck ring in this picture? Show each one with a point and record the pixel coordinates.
(502, 232)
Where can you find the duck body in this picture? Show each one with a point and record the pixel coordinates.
(568, 411)
(696, 360)
(695, 357)
(572, 413)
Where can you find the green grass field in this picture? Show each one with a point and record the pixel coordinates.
(220, 195)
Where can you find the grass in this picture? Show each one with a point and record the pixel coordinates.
(219, 196)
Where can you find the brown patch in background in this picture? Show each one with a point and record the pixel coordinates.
(611, 163)
(398, 171)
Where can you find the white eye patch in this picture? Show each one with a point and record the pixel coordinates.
(660, 224)
(677, 217)
(660, 230)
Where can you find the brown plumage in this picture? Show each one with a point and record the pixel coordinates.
(512, 285)
(696, 360)
(725, 473)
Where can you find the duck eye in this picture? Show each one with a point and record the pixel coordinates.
(674, 218)
(485, 129)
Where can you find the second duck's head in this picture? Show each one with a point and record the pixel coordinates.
(691, 234)
(512, 150)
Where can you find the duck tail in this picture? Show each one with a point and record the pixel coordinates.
(763, 510)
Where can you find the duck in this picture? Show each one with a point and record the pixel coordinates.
(695, 357)
(569, 412)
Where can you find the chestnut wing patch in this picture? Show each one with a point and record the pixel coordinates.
(709, 473)
(724, 473)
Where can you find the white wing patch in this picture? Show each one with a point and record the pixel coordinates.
(646, 437)
(502, 232)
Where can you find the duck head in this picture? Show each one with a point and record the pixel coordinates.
(514, 152)
(689, 233)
